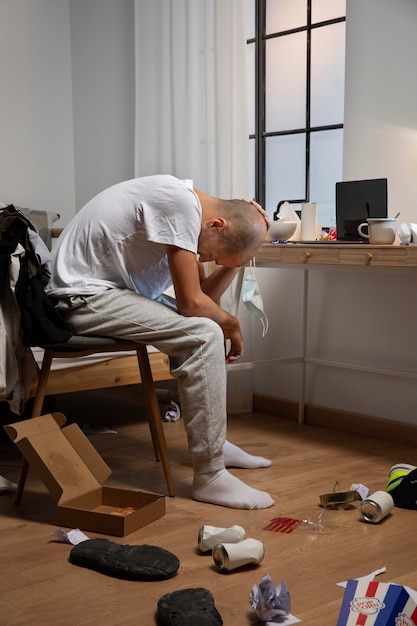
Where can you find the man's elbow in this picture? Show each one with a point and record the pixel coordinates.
(187, 310)
(190, 308)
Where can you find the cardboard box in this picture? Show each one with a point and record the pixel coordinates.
(74, 473)
(379, 604)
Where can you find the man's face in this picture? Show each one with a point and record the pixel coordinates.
(221, 258)
(211, 248)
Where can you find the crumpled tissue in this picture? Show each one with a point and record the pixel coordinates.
(6, 485)
(407, 232)
(270, 603)
(287, 214)
(74, 536)
(173, 412)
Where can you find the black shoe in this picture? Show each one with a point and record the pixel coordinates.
(124, 561)
(188, 607)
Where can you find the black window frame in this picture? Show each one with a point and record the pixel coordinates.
(260, 135)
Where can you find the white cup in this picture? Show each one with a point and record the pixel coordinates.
(380, 230)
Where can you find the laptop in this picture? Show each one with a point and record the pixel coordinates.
(356, 201)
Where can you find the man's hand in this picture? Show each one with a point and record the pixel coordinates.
(261, 211)
(234, 335)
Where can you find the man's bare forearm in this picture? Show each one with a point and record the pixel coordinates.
(215, 284)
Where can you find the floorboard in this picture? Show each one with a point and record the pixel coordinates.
(40, 587)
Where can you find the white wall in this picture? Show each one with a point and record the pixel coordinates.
(102, 38)
(67, 101)
(364, 316)
(380, 135)
(36, 128)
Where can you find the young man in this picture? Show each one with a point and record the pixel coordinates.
(112, 265)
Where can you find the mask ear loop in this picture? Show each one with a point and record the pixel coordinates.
(264, 319)
(265, 324)
(251, 268)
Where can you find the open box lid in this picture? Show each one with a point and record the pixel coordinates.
(65, 460)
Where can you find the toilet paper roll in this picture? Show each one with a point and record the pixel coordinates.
(308, 221)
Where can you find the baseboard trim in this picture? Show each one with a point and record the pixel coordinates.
(335, 419)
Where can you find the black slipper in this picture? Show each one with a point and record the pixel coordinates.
(124, 561)
(188, 607)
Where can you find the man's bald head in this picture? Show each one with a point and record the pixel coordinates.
(246, 226)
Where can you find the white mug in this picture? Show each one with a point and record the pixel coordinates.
(380, 230)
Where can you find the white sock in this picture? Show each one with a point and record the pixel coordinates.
(225, 489)
(234, 456)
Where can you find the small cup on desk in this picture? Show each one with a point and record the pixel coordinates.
(381, 231)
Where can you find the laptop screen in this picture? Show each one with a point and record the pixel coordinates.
(357, 200)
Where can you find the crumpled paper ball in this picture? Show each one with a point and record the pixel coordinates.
(270, 603)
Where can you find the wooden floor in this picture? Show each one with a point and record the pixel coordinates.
(40, 587)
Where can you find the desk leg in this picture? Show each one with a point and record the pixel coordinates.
(304, 322)
(238, 291)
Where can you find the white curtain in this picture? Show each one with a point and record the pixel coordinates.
(191, 93)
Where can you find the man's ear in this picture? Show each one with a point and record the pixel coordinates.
(216, 222)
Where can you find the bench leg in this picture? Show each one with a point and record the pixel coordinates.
(154, 416)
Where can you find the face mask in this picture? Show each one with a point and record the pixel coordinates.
(251, 296)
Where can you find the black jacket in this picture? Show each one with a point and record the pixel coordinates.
(40, 322)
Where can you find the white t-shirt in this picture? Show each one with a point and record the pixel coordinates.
(118, 238)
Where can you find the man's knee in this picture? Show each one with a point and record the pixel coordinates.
(210, 331)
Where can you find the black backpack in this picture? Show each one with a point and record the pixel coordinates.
(405, 495)
(40, 322)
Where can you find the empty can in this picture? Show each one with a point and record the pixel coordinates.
(376, 506)
(211, 536)
(228, 556)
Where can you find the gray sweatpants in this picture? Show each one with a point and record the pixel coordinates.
(195, 346)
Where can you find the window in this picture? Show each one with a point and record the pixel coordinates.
(296, 53)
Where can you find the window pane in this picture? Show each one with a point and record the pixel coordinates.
(327, 74)
(286, 82)
(285, 14)
(250, 19)
(327, 9)
(285, 169)
(326, 150)
(250, 54)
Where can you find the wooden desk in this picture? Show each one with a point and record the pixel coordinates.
(335, 254)
(359, 257)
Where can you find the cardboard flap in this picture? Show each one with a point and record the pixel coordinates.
(35, 426)
(85, 449)
(67, 462)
